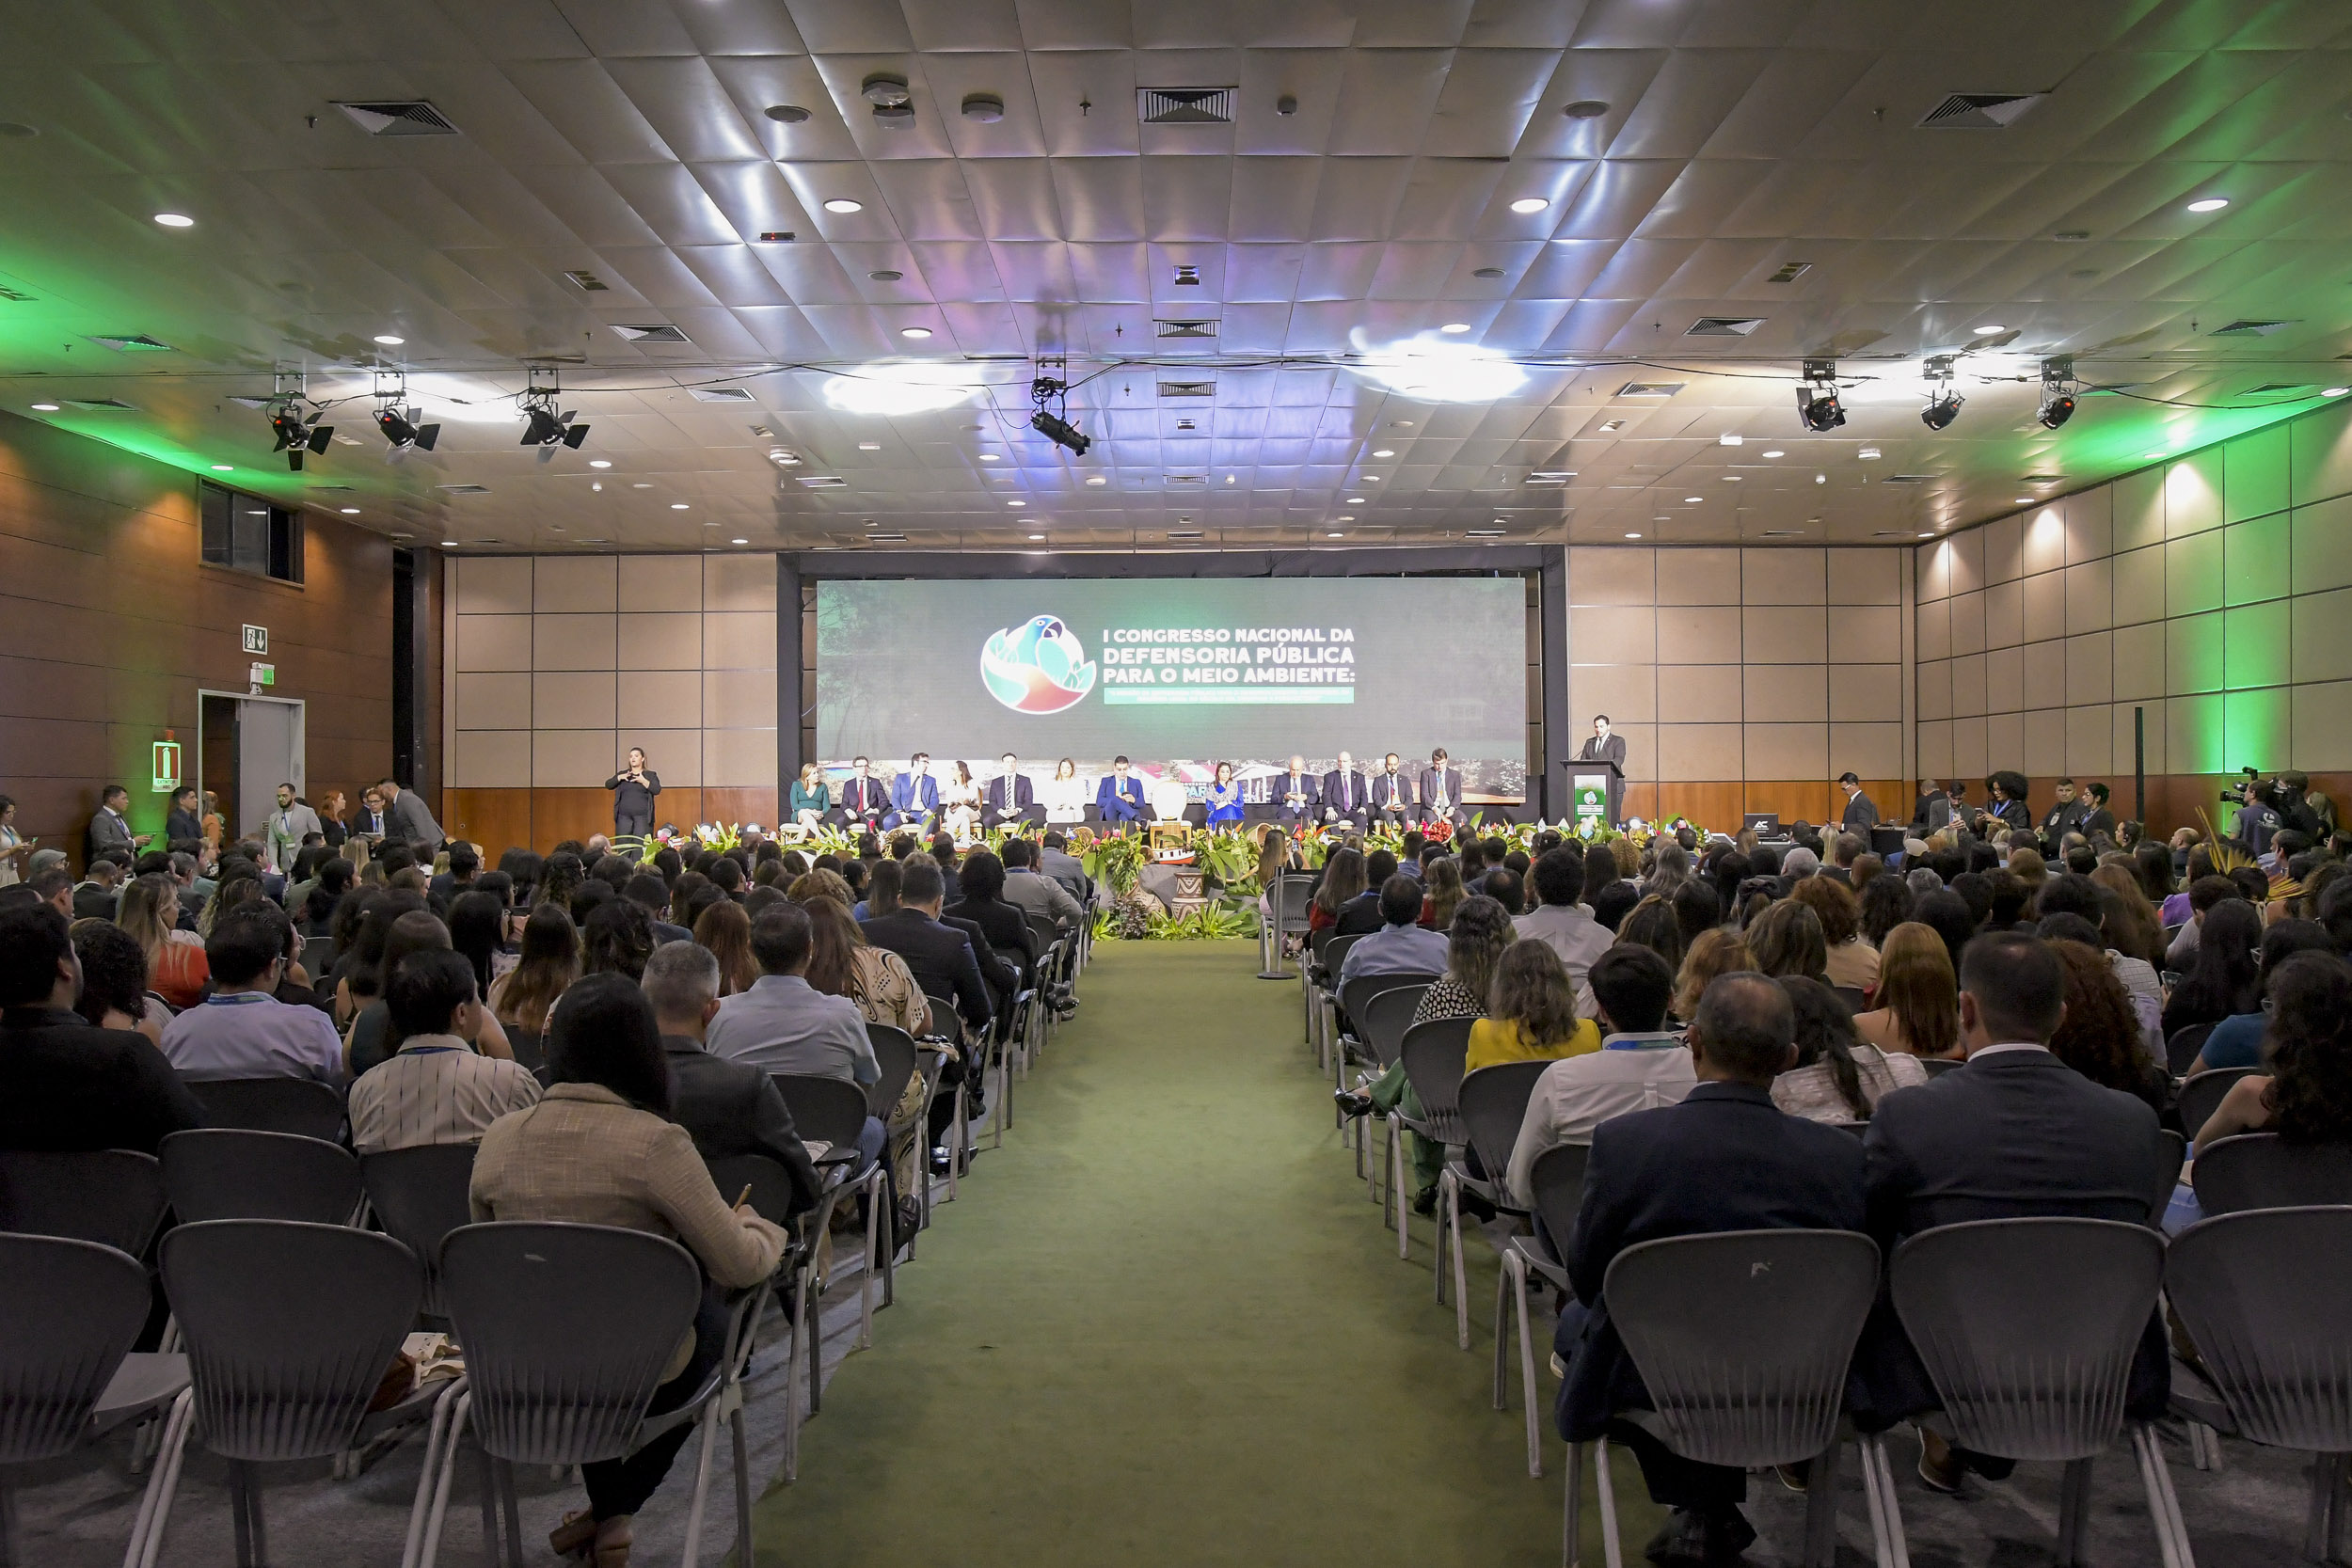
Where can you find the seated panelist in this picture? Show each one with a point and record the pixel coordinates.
(1119, 799)
(864, 799)
(1224, 799)
(1392, 793)
(1441, 791)
(1011, 798)
(914, 795)
(1346, 796)
(1296, 794)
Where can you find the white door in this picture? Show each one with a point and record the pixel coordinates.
(269, 753)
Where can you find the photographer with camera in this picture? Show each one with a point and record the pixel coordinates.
(2266, 806)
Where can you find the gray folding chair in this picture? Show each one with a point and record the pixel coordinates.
(222, 1173)
(567, 1329)
(2267, 1298)
(1494, 1102)
(1432, 1053)
(1320, 972)
(1742, 1340)
(113, 1197)
(289, 1327)
(1352, 1043)
(833, 1109)
(2181, 1049)
(1387, 1013)
(771, 1196)
(946, 1021)
(2201, 1093)
(2028, 1328)
(1288, 897)
(303, 1106)
(2171, 1154)
(420, 1196)
(1558, 1177)
(2256, 1170)
(69, 1311)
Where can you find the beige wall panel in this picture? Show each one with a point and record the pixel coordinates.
(1872, 577)
(2192, 729)
(2091, 743)
(573, 760)
(2122, 767)
(1627, 692)
(572, 700)
(2323, 638)
(739, 758)
(660, 699)
(1783, 635)
(660, 641)
(1873, 751)
(2193, 654)
(1617, 634)
(2140, 586)
(2005, 680)
(2044, 742)
(2089, 526)
(1968, 624)
(2005, 614)
(572, 643)
(2140, 662)
(2044, 607)
(736, 699)
(1607, 575)
(1698, 751)
(494, 642)
(2138, 504)
(1699, 634)
(1698, 577)
(490, 702)
(1935, 751)
(1967, 562)
(1935, 628)
(2192, 494)
(740, 583)
(1787, 693)
(2044, 547)
(574, 584)
(1640, 750)
(1935, 689)
(2090, 596)
(2319, 460)
(2091, 668)
(1783, 577)
(2004, 740)
(491, 585)
(1968, 753)
(1865, 634)
(653, 583)
(740, 641)
(674, 755)
(2322, 728)
(2004, 545)
(1968, 688)
(490, 759)
(2254, 559)
(1866, 694)
(1933, 566)
(2323, 546)
(1788, 751)
(1699, 693)
(2254, 474)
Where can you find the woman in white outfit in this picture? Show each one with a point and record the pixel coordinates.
(1065, 796)
(960, 805)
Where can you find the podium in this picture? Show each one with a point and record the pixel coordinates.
(1595, 791)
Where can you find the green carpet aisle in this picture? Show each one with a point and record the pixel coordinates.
(1163, 1326)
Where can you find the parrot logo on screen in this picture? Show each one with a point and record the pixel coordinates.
(1037, 667)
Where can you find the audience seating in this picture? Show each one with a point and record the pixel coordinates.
(2028, 1328)
(289, 1328)
(1355, 998)
(1386, 1013)
(2256, 1170)
(113, 1197)
(299, 1105)
(833, 1110)
(2180, 1052)
(2266, 1297)
(2201, 1093)
(419, 1195)
(1494, 1102)
(1433, 1055)
(72, 1310)
(1287, 899)
(567, 1328)
(2170, 1157)
(771, 1196)
(1558, 1177)
(949, 1025)
(223, 1173)
(1742, 1340)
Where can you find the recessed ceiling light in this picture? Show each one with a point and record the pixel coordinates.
(224, 468)
(1034, 538)
(600, 461)
(869, 446)
(1868, 454)
(1096, 478)
(1367, 479)
(1530, 204)
(2334, 391)
(175, 220)
(1335, 535)
(388, 340)
(1384, 452)
(2204, 204)
(1729, 441)
(597, 485)
(1355, 500)
(1633, 536)
(1585, 108)
(2150, 456)
(1454, 326)
(678, 506)
(989, 457)
(449, 544)
(1400, 425)
(1775, 454)
(351, 511)
(1016, 503)
(45, 408)
(1928, 535)
(1989, 331)
(1344, 517)
(914, 332)
(739, 541)
(641, 486)
(843, 204)
(1694, 500)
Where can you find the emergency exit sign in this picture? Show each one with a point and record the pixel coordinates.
(257, 640)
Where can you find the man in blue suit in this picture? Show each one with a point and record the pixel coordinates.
(914, 795)
(1725, 1159)
(1119, 799)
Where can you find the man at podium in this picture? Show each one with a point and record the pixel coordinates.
(1604, 745)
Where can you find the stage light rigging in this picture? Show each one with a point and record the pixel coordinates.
(1943, 403)
(1817, 405)
(1050, 393)
(2058, 391)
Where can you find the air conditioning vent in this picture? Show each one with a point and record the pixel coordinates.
(588, 280)
(1189, 534)
(723, 394)
(1979, 111)
(130, 342)
(95, 402)
(885, 538)
(413, 118)
(2044, 478)
(1481, 533)
(1723, 327)
(1908, 479)
(1789, 271)
(1188, 388)
(1781, 533)
(1193, 327)
(1185, 105)
(464, 489)
(2244, 328)
(652, 332)
(1187, 479)
(823, 482)
(1649, 388)
(2269, 388)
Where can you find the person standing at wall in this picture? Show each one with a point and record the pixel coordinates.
(633, 789)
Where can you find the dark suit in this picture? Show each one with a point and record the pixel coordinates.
(1022, 807)
(1005, 929)
(1611, 749)
(2012, 1134)
(941, 957)
(66, 1088)
(93, 902)
(181, 826)
(1725, 1159)
(1392, 796)
(1862, 815)
(1301, 784)
(1117, 801)
(368, 824)
(732, 1108)
(1359, 916)
(913, 797)
(863, 800)
(1346, 799)
(1448, 781)
(1929, 813)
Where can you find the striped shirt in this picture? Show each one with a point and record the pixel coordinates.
(436, 1091)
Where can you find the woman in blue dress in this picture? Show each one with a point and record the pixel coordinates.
(1225, 797)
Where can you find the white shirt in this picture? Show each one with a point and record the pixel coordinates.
(1065, 800)
(1629, 1072)
(1579, 938)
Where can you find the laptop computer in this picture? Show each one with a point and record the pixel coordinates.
(1766, 823)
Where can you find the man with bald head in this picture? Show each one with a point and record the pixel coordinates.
(1723, 1159)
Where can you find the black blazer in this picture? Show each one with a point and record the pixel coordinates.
(1359, 916)
(1024, 793)
(181, 826)
(1359, 794)
(631, 797)
(66, 1088)
(1392, 791)
(1279, 790)
(734, 1108)
(941, 957)
(864, 798)
(1725, 1159)
(1862, 815)
(2010, 1136)
(1005, 928)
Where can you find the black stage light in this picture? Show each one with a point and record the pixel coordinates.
(403, 433)
(1059, 431)
(2058, 391)
(1942, 409)
(1818, 408)
(294, 437)
(549, 429)
(2056, 411)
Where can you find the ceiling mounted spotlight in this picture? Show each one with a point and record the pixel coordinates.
(1286, 104)
(398, 422)
(2058, 391)
(1816, 400)
(295, 434)
(787, 114)
(892, 108)
(983, 108)
(1943, 403)
(1050, 391)
(1060, 432)
(544, 427)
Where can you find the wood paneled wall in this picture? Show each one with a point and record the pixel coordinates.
(109, 625)
(501, 819)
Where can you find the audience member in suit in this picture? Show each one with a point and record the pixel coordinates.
(1295, 794)
(981, 881)
(1391, 794)
(1119, 799)
(1055, 861)
(2016, 1132)
(864, 798)
(109, 832)
(1723, 1159)
(941, 957)
(184, 823)
(407, 821)
(1931, 811)
(66, 1087)
(370, 821)
(1862, 813)
(914, 793)
(1011, 798)
(728, 1108)
(1360, 915)
(1346, 795)
(97, 895)
(1440, 796)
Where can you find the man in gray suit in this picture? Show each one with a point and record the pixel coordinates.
(289, 825)
(406, 820)
(110, 830)
(1441, 790)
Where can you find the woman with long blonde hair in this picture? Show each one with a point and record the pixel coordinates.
(522, 997)
(1445, 895)
(1718, 951)
(1915, 1008)
(176, 968)
(727, 930)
